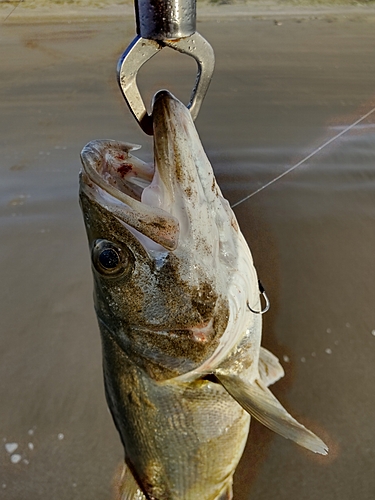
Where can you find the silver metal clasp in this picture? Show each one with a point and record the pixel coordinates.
(141, 50)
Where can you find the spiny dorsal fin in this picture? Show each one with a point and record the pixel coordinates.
(259, 401)
(270, 370)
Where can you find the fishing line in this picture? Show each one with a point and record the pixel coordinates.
(304, 159)
(14, 8)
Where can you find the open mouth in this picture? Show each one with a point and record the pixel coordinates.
(175, 199)
(125, 172)
(144, 196)
(116, 179)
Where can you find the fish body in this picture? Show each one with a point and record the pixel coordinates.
(173, 279)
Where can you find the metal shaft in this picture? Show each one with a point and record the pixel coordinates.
(165, 19)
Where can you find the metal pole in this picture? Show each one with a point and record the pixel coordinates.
(165, 19)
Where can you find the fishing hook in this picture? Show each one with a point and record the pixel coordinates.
(266, 299)
(164, 23)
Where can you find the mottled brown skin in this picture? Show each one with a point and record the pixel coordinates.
(149, 308)
(181, 440)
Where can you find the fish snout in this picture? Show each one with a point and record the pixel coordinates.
(161, 99)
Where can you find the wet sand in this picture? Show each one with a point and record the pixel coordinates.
(279, 91)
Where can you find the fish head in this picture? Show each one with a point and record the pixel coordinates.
(172, 271)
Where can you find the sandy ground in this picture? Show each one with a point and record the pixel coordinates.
(279, 91)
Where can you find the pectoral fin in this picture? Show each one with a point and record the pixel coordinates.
(259, 401)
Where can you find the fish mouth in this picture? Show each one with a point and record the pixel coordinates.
(172, 202)
(150, 199)
(116, 179)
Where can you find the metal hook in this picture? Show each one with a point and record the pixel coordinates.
(143, 49)
(263, 293)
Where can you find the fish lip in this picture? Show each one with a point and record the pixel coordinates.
(160, 99)
(162, 94)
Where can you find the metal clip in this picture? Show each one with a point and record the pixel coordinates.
(267, 302)
(141, 50)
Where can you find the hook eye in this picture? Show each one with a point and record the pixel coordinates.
(142, 50)
(266, 300)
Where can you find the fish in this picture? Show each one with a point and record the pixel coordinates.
(177, 299)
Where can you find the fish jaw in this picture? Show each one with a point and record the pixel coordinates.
(192, 272)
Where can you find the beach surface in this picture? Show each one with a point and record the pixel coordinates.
(291, 82)
(46, 10)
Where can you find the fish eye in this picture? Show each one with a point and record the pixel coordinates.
(109, 259)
